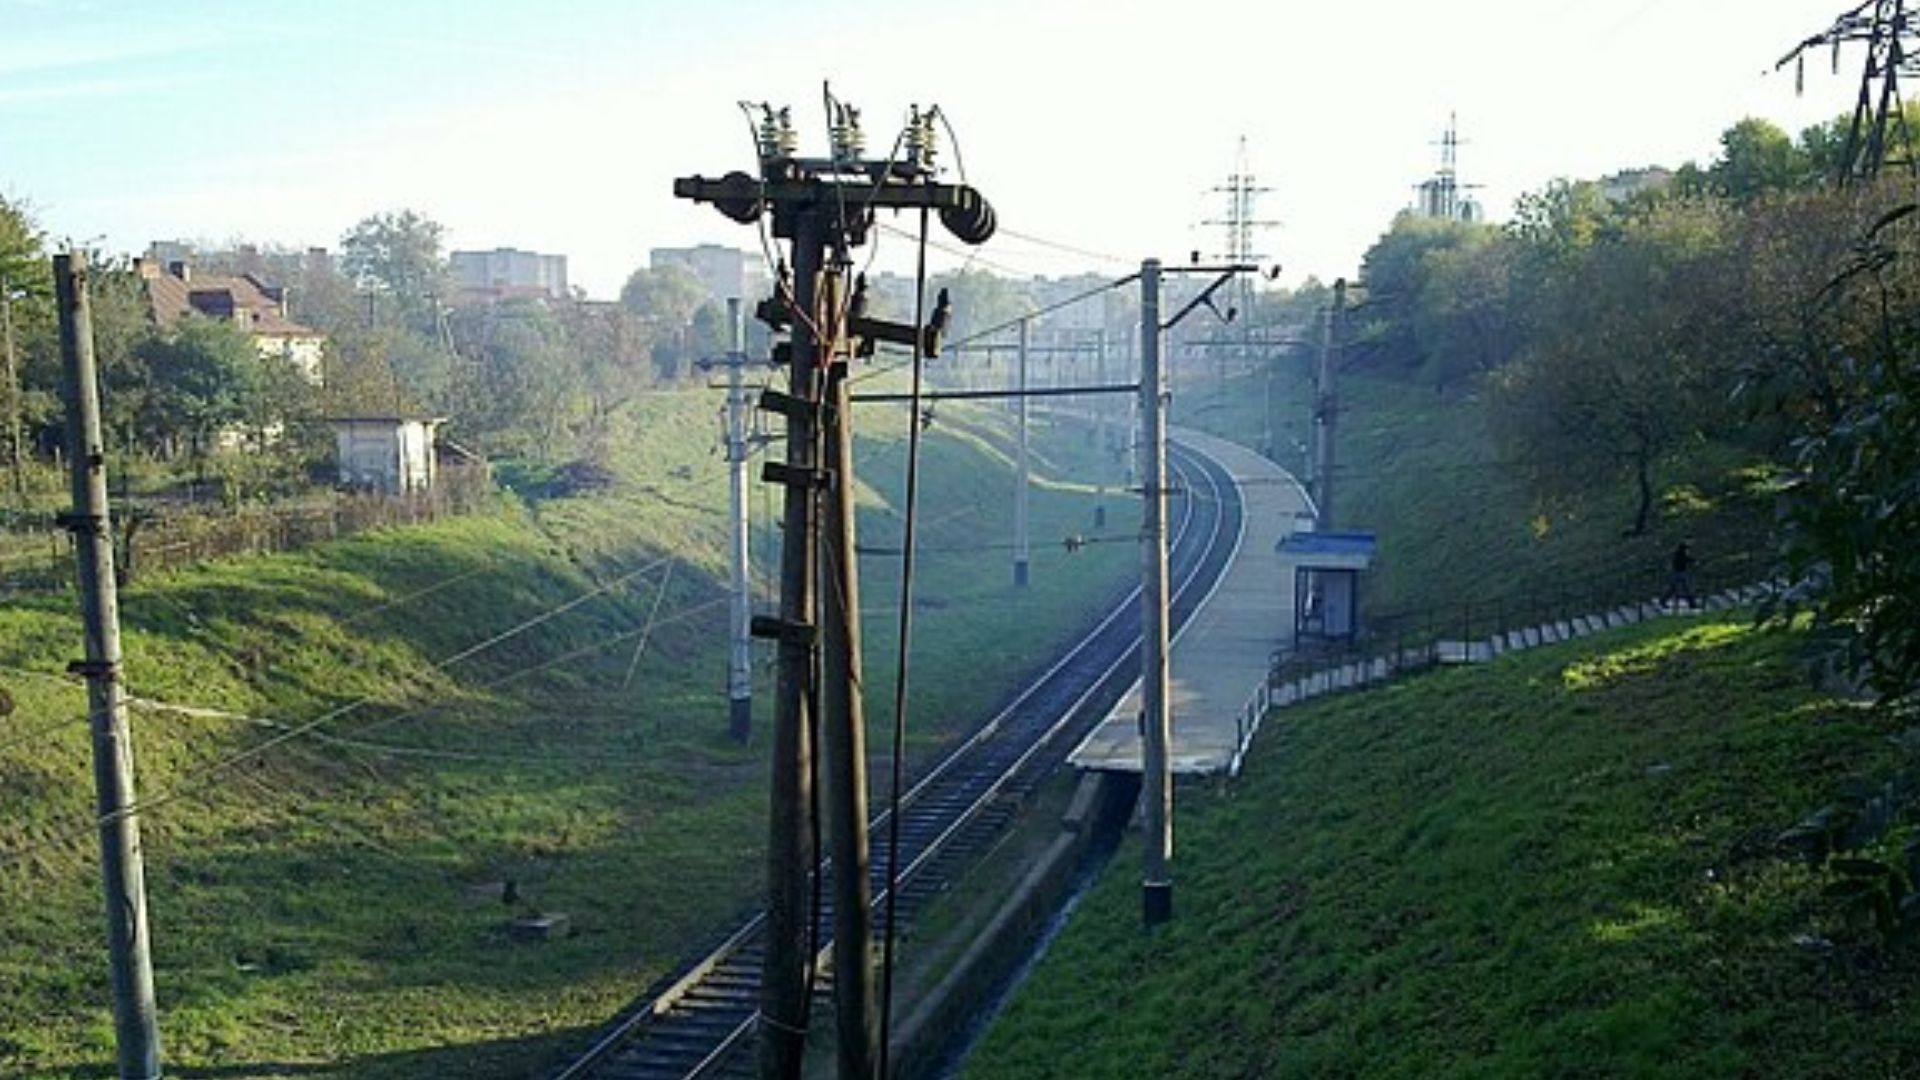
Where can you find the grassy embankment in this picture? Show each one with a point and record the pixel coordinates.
(1415, 469)
(1558, 865)
(333, 906)
(1561, 864)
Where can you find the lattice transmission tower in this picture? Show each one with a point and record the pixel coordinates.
(1241, 191)
(1444, 195)
(1879, 119)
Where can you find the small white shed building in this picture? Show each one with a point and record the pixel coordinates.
(393, 454)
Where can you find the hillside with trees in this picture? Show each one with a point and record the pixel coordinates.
(1660, 851)
(1724, 347)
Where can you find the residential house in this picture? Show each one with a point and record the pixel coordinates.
(175, 291)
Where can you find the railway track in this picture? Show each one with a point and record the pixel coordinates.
(701, 1024)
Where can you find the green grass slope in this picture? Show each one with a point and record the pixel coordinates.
(1456, 518)
(1556, 865)
(334, 905)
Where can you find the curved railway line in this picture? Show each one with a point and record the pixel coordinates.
(701, 1023)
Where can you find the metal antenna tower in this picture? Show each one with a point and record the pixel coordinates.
(1888, 30)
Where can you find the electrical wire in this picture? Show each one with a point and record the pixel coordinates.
(904, 664)
(970, 255)
(44, 676)
(550, 614)
(1069, 249)
(646, 633)
(32, 735)
(370, 746)
(1049, 309)
(817, 881)
(188, 785)
(959, 159)
(753, 137)
(194, 785)
(409, 598)
(774, 265)
(534, 669)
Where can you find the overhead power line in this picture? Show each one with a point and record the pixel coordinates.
(192, 783)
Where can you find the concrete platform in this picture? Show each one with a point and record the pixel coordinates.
(1221, 656)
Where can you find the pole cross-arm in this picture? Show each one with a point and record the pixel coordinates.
(1205, 297)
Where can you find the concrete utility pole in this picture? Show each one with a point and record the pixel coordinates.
(1133, 411)
(1326, 404)
(136, 1027)
(740, 655)
(790, 840)
(1157, 785)
(1021, 554)
(1100, 435)
(14, 439)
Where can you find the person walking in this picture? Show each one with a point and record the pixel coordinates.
(1680, 577)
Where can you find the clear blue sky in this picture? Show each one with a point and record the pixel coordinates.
(559, 126)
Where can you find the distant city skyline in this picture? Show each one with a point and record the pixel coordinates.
(1096, 128)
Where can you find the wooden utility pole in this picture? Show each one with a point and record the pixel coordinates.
(136, 1027)
(1156, 736)
(790, 840)
(1326, 405)
(821, 205)
(1021, 482)
(843, 723)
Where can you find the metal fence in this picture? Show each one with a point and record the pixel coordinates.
(1394, 643)
(35, 555)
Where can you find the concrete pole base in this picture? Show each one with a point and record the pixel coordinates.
(1020, 575)
(739, 719)
(1156, 902)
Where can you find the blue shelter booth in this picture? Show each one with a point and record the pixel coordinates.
(1326, 583)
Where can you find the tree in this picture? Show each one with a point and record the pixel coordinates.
(1565, 218)
(1435, 298)
(397, 255)
(24, 288)
(1757, 158)
(122, 326)
(1852, 504)
(201, 376)
(1625, 365)
(707, 331)
(529, 392)
(613, 349)
(360, 377)
(666, 298)
(1463, 322)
